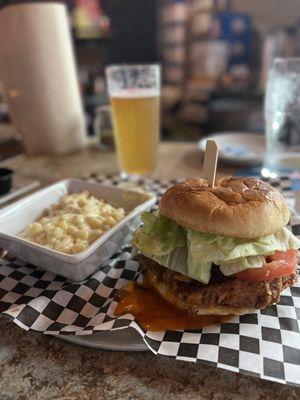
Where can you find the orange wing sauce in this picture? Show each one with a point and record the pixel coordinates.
(154, 313)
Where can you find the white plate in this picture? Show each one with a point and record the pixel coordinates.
(120, 340)
(238, 147)
(76, 267)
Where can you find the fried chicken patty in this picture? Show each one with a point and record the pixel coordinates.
(221, 292)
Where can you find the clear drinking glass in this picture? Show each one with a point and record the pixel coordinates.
(134, 92)
(282, 116)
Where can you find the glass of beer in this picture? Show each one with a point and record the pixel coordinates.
(134, 92)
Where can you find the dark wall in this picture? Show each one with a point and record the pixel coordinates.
(134, 31)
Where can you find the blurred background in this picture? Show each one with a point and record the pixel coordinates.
(214, 54)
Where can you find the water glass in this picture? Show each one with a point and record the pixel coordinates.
(282, 116)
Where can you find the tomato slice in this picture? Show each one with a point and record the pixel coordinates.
(281, 263)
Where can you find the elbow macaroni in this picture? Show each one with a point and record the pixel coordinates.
(73, 223)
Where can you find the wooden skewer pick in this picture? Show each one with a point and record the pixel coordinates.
(210, 162)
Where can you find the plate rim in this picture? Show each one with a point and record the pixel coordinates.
(240, 161)
(82, 340)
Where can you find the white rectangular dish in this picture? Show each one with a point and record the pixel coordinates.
(76, 267)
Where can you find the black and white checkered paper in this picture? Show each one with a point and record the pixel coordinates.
(265, 344)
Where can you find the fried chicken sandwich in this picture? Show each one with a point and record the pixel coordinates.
(218, 250)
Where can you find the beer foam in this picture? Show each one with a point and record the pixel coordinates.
(135, 93)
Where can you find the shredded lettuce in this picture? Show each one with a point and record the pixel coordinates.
(179, 260)
(240, 264)
(158, 235)
(286, 240)
(219, 249)
(198, 269)
(193, 253)
(176, 260)
(207, 247)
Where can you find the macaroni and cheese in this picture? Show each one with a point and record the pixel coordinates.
(73, 223)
